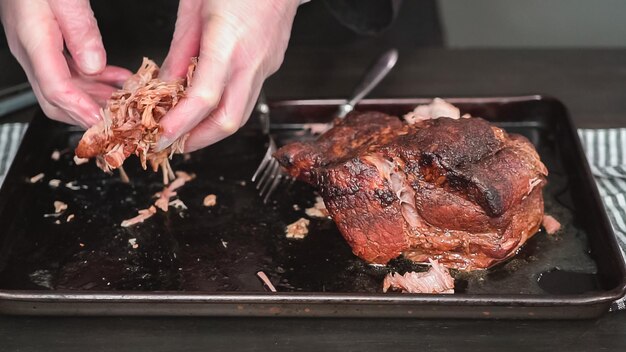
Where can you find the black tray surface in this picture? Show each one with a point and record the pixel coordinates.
(204, 260)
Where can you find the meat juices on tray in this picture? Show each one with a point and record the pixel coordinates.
(457, 190)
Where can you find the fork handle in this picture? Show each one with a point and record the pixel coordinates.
(373, 76)
(264, 113)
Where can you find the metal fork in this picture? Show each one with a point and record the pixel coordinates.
(269, 172)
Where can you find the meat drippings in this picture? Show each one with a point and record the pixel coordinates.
(399, 185)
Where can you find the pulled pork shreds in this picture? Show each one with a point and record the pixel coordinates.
(210, 200)
(318, 210)
(168, 192)
(551, 224)
(163, 199)
(436, 280)
(143, 215)
(298, 229)
(130, 122)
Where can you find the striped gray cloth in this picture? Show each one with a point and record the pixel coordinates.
(10, 137)
(606, 153)
(605, 150)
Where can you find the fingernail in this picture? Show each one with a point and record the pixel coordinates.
(163, 143)
(92, 62)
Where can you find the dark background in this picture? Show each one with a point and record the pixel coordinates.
(131, 30)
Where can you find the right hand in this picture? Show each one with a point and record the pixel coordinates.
(70, 88)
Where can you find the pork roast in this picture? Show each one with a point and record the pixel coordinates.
(457, 190)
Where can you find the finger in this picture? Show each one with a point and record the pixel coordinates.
(99, 92)
(112, 75)
(81, 34)
(44, 49)
(48, 109)
(217, 47)
(185, 42)
(234, 109)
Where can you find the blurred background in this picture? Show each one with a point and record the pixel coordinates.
(131, 29)
(345, 35)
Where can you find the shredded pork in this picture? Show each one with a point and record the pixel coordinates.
(210, 200)
(130, 122)
(163, 197)
(59, 206)
(436, 109)
(298, 229)
(266, 281)
(36, 178)
(318, 210)
(551, 224)
(141, 217)
(436, 280)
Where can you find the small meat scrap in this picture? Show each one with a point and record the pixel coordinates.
(130, 122)
(266, 281)
(80, 161)
(59, 206)
(70, 218)
(36, 178)
(178, 204)
(170, 191)
(551, 224)
(436, 280)
(133, 243)
(436, 109)
(210, 200)
(318, 210)
(54, 183)
(73, 186)
(143, 215)
(56, 155)
(298, 229)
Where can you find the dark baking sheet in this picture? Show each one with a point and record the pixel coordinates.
(203, 261)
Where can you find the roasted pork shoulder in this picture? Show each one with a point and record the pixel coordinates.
(448, 188)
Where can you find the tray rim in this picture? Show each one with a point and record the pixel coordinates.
(604, 298)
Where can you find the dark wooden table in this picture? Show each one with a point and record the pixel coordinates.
(590, 82)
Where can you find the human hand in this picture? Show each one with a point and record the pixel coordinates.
(69, 88)
(239, 43)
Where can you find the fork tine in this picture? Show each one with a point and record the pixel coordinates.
(273, 172)
(264, 162)
(272, 188)
(265, 175)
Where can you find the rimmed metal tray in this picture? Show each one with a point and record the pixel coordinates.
(204, 260)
